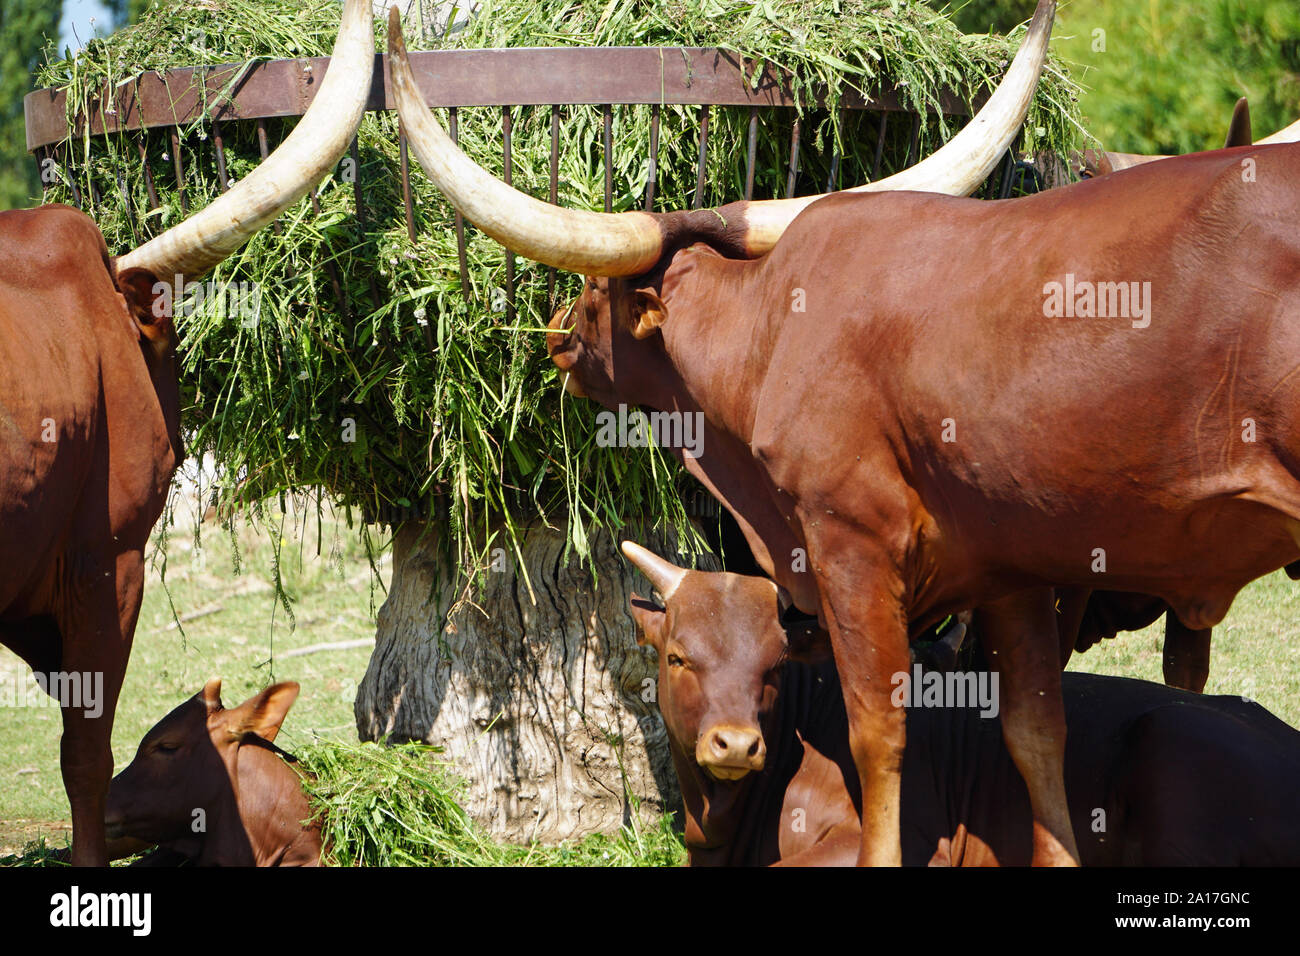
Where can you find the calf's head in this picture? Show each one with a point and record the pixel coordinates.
(721, 649)
(186, 769)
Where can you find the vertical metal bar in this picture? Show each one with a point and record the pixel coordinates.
(654, 158)
(45, 160)
(554, 195)
(704, 154)
(507, 127)
(219, 145)
(453, 123)
(329, 265)
(127, 205)
(70, 178)
(834, 174)
(750, 152)
(407, 201)
(179, 165)
(263, 148)
(914, 142)
(361, 213)
(1008, 165)
(148, 173)
(609, 158)
(883, 117)
(792, 176)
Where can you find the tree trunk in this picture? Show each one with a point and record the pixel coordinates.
(547, 709)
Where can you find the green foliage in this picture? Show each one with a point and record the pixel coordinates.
(396, 806)
(25, 28)
(450, 400)
(1164, 74)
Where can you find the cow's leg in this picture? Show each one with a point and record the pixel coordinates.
(1021, 638)
(98, 625)
(868, 629)
(1187, 654)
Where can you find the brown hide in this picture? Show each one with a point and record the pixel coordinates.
(84, 363)
(208, 784)
(824, 427)
(1156, 776)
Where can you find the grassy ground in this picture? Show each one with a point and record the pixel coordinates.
(233, 627)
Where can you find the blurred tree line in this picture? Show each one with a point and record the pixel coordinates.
(1162, 75)
(25, 27)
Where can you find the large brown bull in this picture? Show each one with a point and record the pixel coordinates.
(89, 430)
(818, 339)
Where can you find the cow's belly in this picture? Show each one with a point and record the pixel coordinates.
(48, 413)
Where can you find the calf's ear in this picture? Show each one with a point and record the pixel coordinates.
(262, 715)
(648, 313)
(211, 695)
(650, 620)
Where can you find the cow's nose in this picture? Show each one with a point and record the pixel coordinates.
(732, 749)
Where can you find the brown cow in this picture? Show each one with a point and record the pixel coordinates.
(759, 739)
(817, 338)
(89, 431)
(209, 785)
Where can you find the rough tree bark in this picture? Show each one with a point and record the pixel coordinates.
(547, 710)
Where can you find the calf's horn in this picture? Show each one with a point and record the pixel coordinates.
(663, 575)
(194, 246)
(631, 243)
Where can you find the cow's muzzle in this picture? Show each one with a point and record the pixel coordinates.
(558, 346)
(729, 751)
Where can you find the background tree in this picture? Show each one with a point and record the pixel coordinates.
(25, 27)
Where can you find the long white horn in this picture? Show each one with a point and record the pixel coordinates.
(631, 243)
(664, 575)
(1289, 135)
(316, 144)
(961, 164)
(593, 243)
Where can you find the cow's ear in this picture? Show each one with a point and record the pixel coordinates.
(264, 714)
(807, 643)
(1239, 132)
(149, 303)
(211, 695)
(648, 313)
(650, 620)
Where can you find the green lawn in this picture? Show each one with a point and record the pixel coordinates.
(234, 628)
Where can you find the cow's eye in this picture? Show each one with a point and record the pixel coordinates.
(166, 749)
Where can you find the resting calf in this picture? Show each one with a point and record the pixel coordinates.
(1155, 775)
(208, 784)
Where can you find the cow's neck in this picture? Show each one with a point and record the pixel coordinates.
(272, 808)
(715, 336)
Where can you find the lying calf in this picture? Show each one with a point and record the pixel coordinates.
(208, 785)
(1155, 776)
